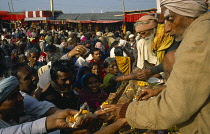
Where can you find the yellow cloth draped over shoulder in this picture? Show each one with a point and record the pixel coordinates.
(124, 64)
(161, 42)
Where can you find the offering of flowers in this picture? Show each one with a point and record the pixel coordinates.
(83, 113)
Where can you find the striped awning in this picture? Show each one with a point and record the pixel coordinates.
(37, 19)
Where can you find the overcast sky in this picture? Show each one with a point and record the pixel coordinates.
(78, 6)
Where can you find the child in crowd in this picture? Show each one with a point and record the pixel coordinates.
(92, 93)
(95, 68)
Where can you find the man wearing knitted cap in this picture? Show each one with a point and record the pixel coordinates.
(185, 100)
(11, 105)
(146, 57)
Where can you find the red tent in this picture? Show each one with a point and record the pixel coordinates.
(3, 13)
(133, 16)
(14, 17)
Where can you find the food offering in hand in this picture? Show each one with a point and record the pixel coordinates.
(104, 103)
(83, 114)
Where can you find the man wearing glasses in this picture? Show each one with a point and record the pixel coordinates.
(146, 27)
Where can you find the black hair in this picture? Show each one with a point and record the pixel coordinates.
(107, 61)
(88, 76)
(88, 36)
(116, 34)
(118, 51)
(62, 66)
(41, 35)
(94, 49)
(93, 64)
(15, 68)
(87, 42)
(50, 48)
(2, 62)
(97, 40)
(113, 44)
(5, 41)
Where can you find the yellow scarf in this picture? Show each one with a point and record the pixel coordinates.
(161, 42)
(124, 64)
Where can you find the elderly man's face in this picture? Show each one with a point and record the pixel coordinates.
(176, 24)
(146, 33)
(12, 105)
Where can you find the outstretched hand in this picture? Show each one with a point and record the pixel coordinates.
(58, 119)
(143, 74)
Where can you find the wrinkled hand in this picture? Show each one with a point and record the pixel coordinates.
(104, 115)
(115, 109)
(78, 50)
(58, 119)
(111, 97)
(147, 93)
(143, 74)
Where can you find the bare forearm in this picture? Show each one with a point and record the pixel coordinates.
(51, 111)
(124, 77)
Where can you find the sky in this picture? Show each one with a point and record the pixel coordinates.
(78, 6)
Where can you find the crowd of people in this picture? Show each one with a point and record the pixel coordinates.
(47, 75)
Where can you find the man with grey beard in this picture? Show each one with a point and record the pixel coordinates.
(185, 100)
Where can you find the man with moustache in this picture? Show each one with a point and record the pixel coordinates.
(59, 89)
(33, 108)
(185, 100)
(11, 105)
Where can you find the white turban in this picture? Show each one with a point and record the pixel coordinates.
(7, 85)
(190, 8)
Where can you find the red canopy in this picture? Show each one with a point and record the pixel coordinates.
(102, 21)
(132, 17)
(14, 17)
(135, 17)
(3, 13)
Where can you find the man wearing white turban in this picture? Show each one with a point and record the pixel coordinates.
(185, 101)
(190, 8)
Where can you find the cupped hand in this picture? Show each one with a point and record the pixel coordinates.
(143, 74)
(58, 119)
